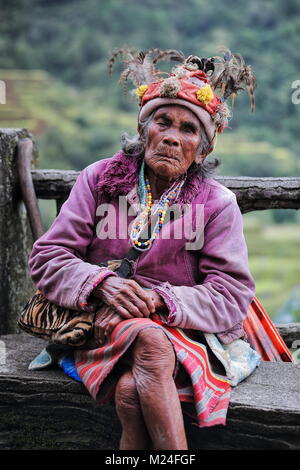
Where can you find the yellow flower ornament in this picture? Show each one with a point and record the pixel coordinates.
(141, 90)
(205, 94)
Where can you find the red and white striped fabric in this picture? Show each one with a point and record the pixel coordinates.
(197, 384)
(263, 336)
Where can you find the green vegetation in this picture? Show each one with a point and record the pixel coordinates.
(274, 262)
(82, 112)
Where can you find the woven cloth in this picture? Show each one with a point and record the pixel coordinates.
(196, 381)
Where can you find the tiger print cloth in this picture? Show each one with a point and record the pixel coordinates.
(54, 323)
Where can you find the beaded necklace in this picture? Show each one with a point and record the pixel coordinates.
(150, 211)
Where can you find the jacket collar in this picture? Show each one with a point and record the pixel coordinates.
(121, 175)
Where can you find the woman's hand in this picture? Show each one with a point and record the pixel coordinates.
(105, 321)
(126, 297)
(158, 300)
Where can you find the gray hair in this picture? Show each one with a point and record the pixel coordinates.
(135, 146)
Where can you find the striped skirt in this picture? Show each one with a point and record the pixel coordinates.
(198, 376)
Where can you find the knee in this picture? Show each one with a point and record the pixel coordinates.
(126, 396)
(153, 353)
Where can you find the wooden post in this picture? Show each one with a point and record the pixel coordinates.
(15, 235)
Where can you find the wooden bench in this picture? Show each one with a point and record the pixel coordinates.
(48, 410)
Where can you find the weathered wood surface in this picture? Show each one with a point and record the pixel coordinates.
(53, 184)
(290, 333)
(47, 410)
(264, 193)
(252, 193)
(25, 148)
(15, 235)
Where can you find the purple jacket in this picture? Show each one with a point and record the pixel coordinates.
(207, 288)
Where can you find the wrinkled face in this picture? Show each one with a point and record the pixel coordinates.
(172, 141)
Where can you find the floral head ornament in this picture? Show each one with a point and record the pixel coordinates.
(194, 83)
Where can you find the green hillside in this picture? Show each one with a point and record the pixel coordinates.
(78, 113)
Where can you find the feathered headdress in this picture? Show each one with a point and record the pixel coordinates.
(193, 83)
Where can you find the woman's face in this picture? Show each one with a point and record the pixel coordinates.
(172, 141)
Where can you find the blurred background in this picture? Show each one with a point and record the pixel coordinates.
(54, 66)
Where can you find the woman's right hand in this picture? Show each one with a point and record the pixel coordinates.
(105, 321)
(126, 297)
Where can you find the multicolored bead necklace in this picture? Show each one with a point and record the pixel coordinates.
(149, 212)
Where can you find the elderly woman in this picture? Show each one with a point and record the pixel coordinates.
(168, 316)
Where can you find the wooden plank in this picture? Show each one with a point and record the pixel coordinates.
(252, 193)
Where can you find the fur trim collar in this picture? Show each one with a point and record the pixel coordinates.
(122, 173)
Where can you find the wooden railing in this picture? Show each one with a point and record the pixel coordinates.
(252, 193)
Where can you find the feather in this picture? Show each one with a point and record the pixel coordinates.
(231, 75)
(170, 54)
(139, 65)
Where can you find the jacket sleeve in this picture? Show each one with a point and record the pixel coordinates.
(220, 302)
(57, 261)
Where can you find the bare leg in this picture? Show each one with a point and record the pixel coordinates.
(153, 365)
(134, 432)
